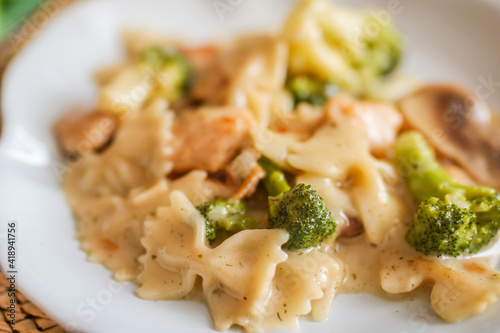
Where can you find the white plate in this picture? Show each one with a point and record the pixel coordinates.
(448, 40)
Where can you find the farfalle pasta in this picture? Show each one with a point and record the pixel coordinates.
(266, 174)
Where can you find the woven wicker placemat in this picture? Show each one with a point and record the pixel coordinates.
(28, 318)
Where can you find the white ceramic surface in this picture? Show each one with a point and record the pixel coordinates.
(448, 40)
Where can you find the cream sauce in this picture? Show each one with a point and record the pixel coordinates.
(458, 288)
(144, 227)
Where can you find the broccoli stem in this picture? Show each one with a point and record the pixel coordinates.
(310, 90)
(173, 73)
(275, 181)
(452, 218)
(424, 176)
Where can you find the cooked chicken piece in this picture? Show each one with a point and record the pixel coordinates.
(247, 73)
(213, 68)
(79, 132)
(201, 57)
(459, 126)
(380, 121)
(208, 138)
(211, 81)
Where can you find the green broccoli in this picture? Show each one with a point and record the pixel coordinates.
(452, 218)
(448, 229)
(383, 50)
(224, 218)
(355, 49)
(298, 209)
(487, 210)
(172, 72)
(313, 91)
(274, 181)
(303, 213)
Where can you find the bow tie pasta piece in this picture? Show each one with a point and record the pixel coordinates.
(342, 154)
(336, 199)
(158, 72)
(110, 226)
(461, 287)
(334, 151)
(274, 145)
(243, 268)
(259, 79)
(135, 158)
(240, 270)
(304, 284)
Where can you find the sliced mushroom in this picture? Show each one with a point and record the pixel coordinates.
(459, 126)
(456, 171)
(353, 227)
(81, 132)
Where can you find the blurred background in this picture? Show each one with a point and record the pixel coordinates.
(13, 13)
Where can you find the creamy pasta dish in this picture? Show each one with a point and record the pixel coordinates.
(265, 174)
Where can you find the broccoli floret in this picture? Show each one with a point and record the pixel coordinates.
(487, 210)
(322, 44)
(383, 50)
(221, 216)
(441, 227)
(452, 218)
(303, 213)
(298, 209)
(171, 71)
(274, 181)
(313, 91)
